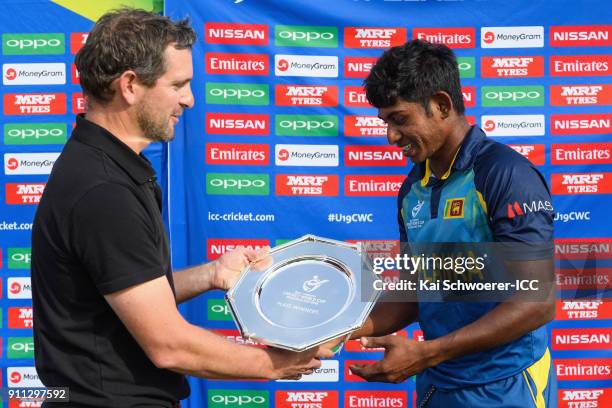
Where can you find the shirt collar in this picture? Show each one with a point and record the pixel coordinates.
(135, 165)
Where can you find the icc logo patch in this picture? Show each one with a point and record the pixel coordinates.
(454, 208)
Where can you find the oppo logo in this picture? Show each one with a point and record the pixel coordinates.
(237, 400)
(34, 43)
(512, 95)
(25, 133)
(464, 66)
(237, 183)
(237, 93)
(306, 124)
(305, 35)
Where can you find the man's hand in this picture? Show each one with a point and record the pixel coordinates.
(291, 365)
(227, 269)
(403, 358)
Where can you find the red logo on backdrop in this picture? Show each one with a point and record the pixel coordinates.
(12, 163)
(375, 399)
(580, 36)
(583, 278)
(18, 403)
(451, 37)
(74, 74)
(306, 184)
(469, 96)
(358, 67)
(489, 125)
(374, 37)
(583, 368)
(283, 154)
(364, 126)
(418, 335)
(78, 103)
(512, 67)
(24, 193)
(471, 120)
(355, 96)
(77, 41)
(348, 375)
(241, 64)
(306, 95)
(582, 124)
(533, 152)
(585, 398)
(373, 156)
(15, 377)
(20, 318)
(237, 124)
(582, 183)
(581, 153)
(215, 247)
(229, 33)
(583, 248)
(373, 185)
(306, 399)
(282, 65)
(35, 104)
(355, 345)
(237, 153)
(488, 37)
(583, 309)
(580, 65)
(574, 95)
(11, 74)
(235, 337)
(15, 288)
(581, 339)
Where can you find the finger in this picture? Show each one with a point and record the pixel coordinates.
(370, 372)
(325, 352)
(262, 259)
(374, 342)
(313, 364)
(293, 377)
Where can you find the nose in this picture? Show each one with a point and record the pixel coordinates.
(186, 98)
(393, 136)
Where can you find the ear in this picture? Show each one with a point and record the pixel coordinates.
(128, 87)
(441, 104)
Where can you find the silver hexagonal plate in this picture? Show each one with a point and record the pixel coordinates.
(312, 293)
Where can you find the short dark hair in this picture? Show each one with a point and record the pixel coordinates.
(414, 72)
(127, 39)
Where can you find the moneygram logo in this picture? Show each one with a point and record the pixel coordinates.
(20, 347)
(573, 95)
(582, 124)
(215, 247)
(512, 37)
(513, 125)
(23, 377)
(580, 36)
(583, 368)
(508, 96)
(464, 37)
(33, 44)
(309, 398)
(322, 66)
(236, 34)
(34, 74)
(20, 318)
(237, 124)
(306, 155)
(34, 133)
(218, 310)
(512, 67)
(29, 163)
(238, 399)
(467, 67)
(533, 152)
(306, 36)
(358, 67)
(373, 156)
(583, 309)
(585, 398)
(237, 153)
(582, 183)
(237, 184)
(373, 185)
(35, 104)
(355, 96)
(306, 125)
(225, 93)
(77, 41)
(306, 95)
(309, 185)
(241, 64)
(24, 193)
(19, 288)
(581, 339)
(364, 126)
(581, 153)
(580, 65)
(375, 399)
(374, 37)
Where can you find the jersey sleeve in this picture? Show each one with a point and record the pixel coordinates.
(113, 237)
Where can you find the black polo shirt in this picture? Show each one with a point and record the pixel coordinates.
(97, 230)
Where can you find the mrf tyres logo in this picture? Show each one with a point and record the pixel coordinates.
(322, 66)
(583, 309)
(512, 67)
(513, 125)
(34, 133)
(585, 398)
(34, 74)
(511, 96)
(24, 193)
(35, 104)
(306, 36)
(226, 93)
(238, 399)
(237, 184)
(373, 37)
(364, 126)
(306, 95)
(582, 183)
(533, 152)
(33, 44)
(306, 155)
(306, 399)
(306, 125)
(512, 37)
(310, 185)
(577, 95)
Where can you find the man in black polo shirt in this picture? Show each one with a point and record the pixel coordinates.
(106, 323)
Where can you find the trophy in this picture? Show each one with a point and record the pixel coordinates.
(316, 290)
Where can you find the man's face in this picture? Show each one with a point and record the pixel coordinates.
(159, 109)
(410, 127)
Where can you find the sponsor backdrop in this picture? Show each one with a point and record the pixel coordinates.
(281, 143)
